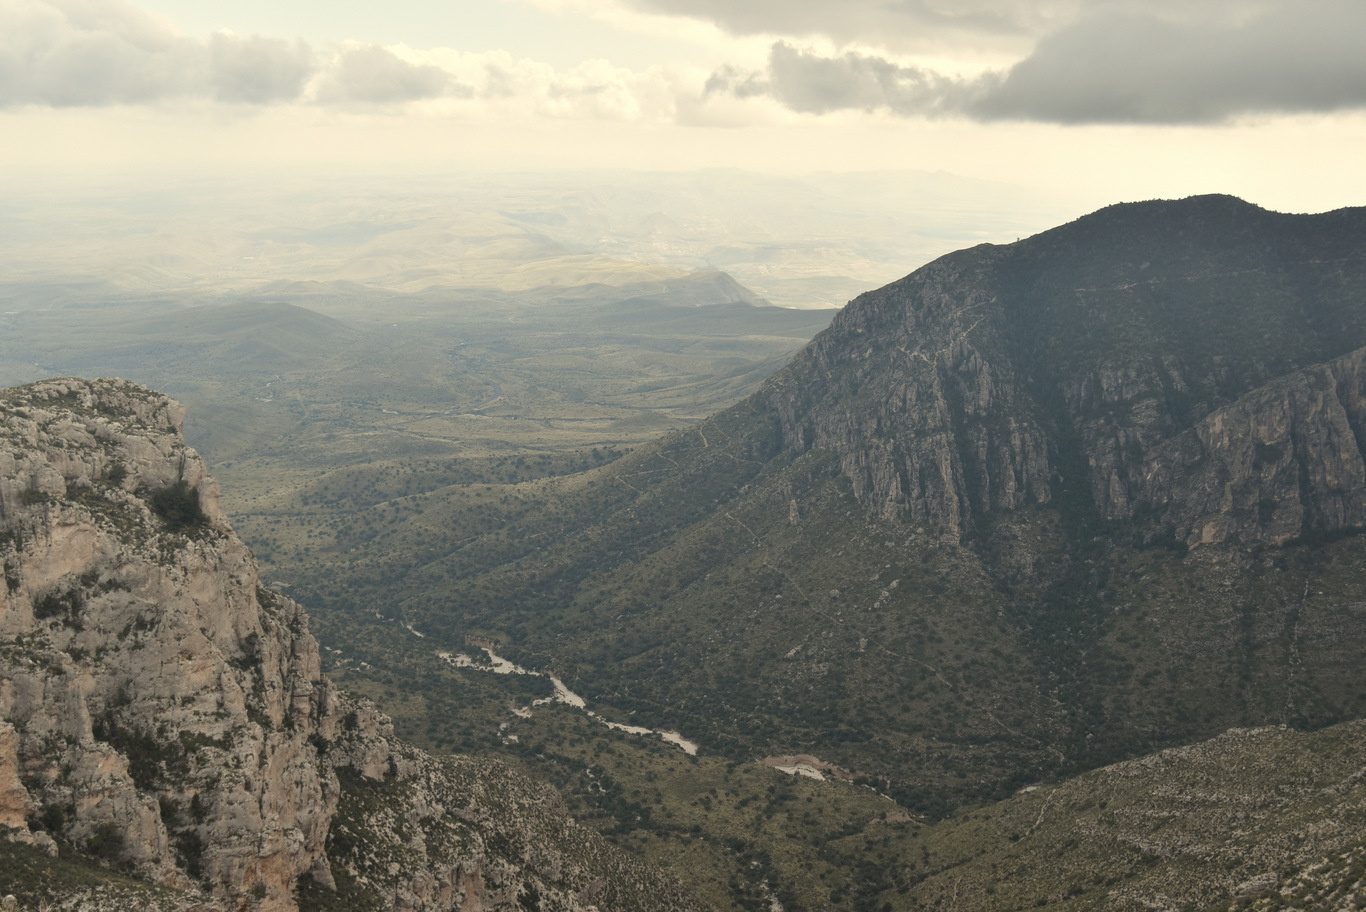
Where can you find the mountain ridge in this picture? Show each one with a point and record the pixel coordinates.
(972, 358)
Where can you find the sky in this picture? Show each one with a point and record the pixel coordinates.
(1099, 101)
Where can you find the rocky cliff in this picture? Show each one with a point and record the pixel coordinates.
(1191, 363)
(163, 713)
(911, 387)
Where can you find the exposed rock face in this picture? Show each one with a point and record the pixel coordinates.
(1284, 460)
(910, 387)
(1204, 379)
(15, 805)
(164, 701)
(161, 710)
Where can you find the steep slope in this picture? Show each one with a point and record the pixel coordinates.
(164, 713)
(1255, 818)
(994, 373)
(1032, 509)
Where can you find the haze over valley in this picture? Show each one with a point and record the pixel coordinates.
(798, 241)
(338, 324)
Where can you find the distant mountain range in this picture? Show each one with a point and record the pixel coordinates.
(801, 241)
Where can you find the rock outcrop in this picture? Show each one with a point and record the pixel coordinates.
(911, 387)
(163, 712)
(164, 701)
(1283, 461)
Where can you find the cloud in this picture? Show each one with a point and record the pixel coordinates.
(811, 84)
(1078, 61)
(92, 53)
(497, 84)
(1111, 67)
(865, 21)
(931, 26)
(257, 70)
(96, 53)
(1128, 68)
(371, 74)
(67, 53)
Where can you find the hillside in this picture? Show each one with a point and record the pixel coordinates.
(1030, 510)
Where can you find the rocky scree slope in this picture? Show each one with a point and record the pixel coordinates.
(164, 714)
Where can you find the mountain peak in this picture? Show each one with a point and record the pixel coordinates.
(996, 377)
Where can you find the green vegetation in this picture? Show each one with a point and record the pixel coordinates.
(487, 813)
(178, 505)
(739, 833)
(38, 880)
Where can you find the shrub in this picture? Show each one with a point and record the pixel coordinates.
(53, 819)
(178, 505)
(190, 847)
(107, 843)
(66, 605)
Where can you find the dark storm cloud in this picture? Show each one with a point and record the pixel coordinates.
(1112, 67)
(1127, 68)
(373, 75)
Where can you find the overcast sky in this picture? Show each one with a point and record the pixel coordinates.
(1104, 100)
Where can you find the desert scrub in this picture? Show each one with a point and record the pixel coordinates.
(178, 506)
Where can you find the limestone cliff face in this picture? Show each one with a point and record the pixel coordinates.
(163, 702)
(163, 712)
(913, 389)
(1188, 366)
(1282, 461)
